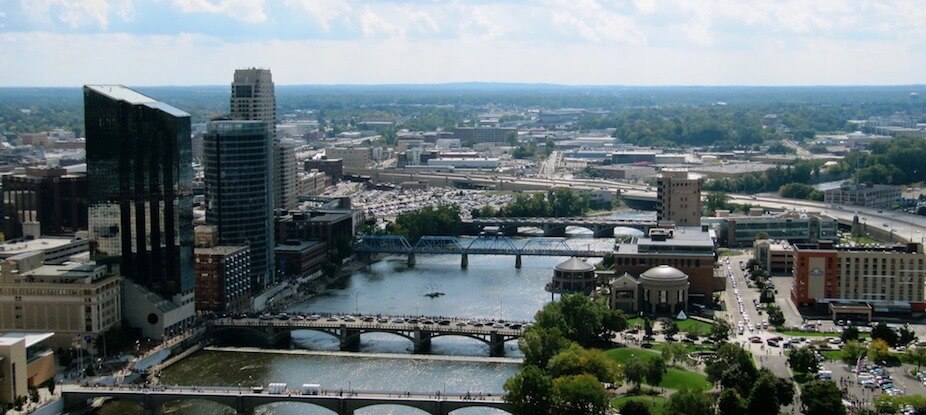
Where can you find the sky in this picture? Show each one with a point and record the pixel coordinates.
(576, 42)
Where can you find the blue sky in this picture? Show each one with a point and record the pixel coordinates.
(633, 42)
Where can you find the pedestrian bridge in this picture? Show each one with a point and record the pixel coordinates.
(244, 402)
(483, 245)
(420, 331)
(600, 227)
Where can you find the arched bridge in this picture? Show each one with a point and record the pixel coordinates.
(483, 245)
(244, 401)
(349, 329)
(600, 227)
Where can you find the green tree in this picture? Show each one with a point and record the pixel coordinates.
(878, 351)
(884, 332)
(634, 407)
(689, 402)
(675, 353)
(577, 360)
(529, 392)
(822, 398)
(917, 356)
(715, 201)
(634, 372)
(905, 336)
(34, 395)
(775, 315)
(730, 403)
(540, 344)
(851, 351)
(655, 370)
(670, 329)
(803, 361)
(443, 220)
(720, 329)
(763, 398)
(849, 333)
(580, 395)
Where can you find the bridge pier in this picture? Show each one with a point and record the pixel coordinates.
(496, 344)
(422, 341)
(517, 261)
(464, 261)
(603, 232)
(350, 339)
(411, 259)
(554, 230)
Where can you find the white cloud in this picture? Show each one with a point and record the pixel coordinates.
(74, 13)
(324, 11)
(372, 25)
(249, 11)
(35, 58)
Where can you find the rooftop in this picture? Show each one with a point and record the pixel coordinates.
(297, 246)
(41, 244)
(32, 339)
(122, 93)
(219, 250)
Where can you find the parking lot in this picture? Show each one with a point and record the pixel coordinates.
(859, 395)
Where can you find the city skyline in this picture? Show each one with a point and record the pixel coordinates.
(197, 42)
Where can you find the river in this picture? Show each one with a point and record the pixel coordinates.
(491, 287)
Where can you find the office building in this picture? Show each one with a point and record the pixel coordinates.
(236, 159)
(359, 157)
(775, 256)
(333, 168)
(49, 196)
(71, 300)
(300, 258)
(691, 250)
(742, 230)
(222, 279)
(253, 98)
(888, 278)
(25, 362)
(471, 135)
(868, 195)
(140, 175)
(285, 187)
(333, 227)
(678, 198)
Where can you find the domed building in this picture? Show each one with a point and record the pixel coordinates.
(665, 290)
(573, 275)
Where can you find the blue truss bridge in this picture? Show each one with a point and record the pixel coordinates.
(482, 245)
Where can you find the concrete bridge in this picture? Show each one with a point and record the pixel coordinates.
(600, 227)
(483, 245)
(277, 332)
(244, 402)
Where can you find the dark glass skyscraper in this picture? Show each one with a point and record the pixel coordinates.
(140, 174)
(236, 160)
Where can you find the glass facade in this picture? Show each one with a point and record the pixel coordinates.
(237, 156)
(140, 174)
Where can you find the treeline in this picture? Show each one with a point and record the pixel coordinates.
(802, 171)
(562, 374)
(443, 220)
(800, 191)
(898, 161)
(555, 204)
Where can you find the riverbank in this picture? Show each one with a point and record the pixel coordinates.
(394, 356)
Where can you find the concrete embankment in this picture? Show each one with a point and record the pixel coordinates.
(442, 358)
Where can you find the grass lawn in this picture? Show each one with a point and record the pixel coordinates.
(674, 378)
(694, 326)
(656, 404)
(807, 333)
(634, 322)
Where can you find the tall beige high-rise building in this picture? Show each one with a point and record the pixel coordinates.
(253, 97)
(285, 191)
(678, 197)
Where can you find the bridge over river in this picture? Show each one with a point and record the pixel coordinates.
(243, 401)
(276, 331)
(483, 245)
(601, 227)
